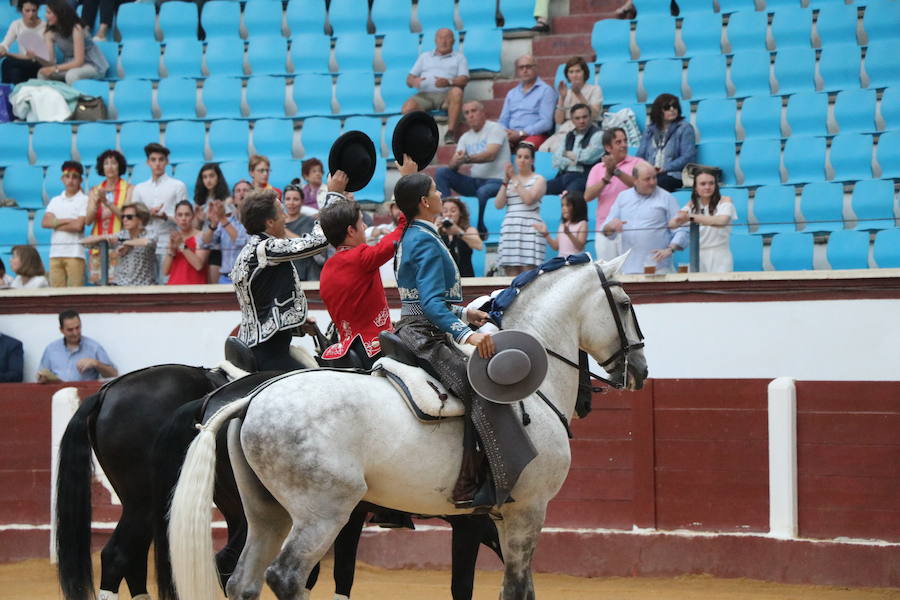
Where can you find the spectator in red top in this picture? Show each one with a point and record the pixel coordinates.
(185, 264)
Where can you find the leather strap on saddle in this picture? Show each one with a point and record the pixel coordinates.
(239, 354)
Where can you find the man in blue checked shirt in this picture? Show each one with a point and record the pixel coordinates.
(74, 357)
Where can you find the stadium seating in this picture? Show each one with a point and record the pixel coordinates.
(701, 33)
(222, 97)
(389, 126)
(355, 52)
(177, 98)
(93, 139)
(273, 137)
(356, 93)
(229, 139)
(134, 135)
(24, 184)
(178, 20)
(394, 91)
(618, 81)
(267, 55)
(51, 143)
(312, 94)
(611, 40)
(881, 63)
(792, 252)
(716, 120)
(477, 13)
(310, 53)
(655, 37)
(224, 57)
(318, 134)
(822, 206)
(371, 126)
(13, 144)
(374, 190)
(400, 51)
(482, 49)
(854, 111)
(835, 24)
(873, 204)
(889, 154)
(435, 14)
(262, 18)
(706, 76)
(761, 117)
(140, 59)
(750, 73)
(183, 57)
(887, 249)
(731, 6)
(517, 14)
(881, 21)
(890, 108)
(93, 87)
(851, 157)
(792, 26)
(839, 67)
(848, 250)
(804, 159)
(111, 52)
(759, 161)
(746, 31)
(389, 18)
(185, 140)
(807, 114)
(773, 207)
(135, 21)
(747, 252)
(13, 226)
(795, 70)
(721, 154)
(266, 96)
(221, 19)
(662, 76)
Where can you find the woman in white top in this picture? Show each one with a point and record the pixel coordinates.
(29, 269)
(522, 248)
(714, 213)
(29, 33)
(577, 91)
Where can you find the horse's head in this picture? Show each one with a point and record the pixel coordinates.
(608, 326)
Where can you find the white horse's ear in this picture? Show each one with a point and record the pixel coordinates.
(614, 266)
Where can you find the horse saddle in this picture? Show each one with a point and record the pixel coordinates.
(239, 354)
(423, 393)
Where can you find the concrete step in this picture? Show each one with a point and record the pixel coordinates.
(547, 65)
(564, 46)
(594, 7)
(572, 24)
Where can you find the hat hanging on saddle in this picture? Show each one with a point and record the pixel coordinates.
(416, 135)
(354, 154)
(516, 370)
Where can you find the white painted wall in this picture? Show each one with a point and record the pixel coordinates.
(812, 340)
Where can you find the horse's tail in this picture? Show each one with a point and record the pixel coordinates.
(73, 504)
(190, 518)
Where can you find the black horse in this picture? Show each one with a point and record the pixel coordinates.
(157, 407)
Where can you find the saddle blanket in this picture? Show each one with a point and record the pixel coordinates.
(426, 397)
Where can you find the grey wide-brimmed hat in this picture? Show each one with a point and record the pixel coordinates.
(516, 370)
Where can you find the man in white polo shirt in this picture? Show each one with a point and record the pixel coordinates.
(440, 77)
(65, 216)
(160, 194)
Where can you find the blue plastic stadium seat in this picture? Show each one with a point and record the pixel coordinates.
(759, 160)
(135, 21)
(94, 138)
(389, 127)
(732, 6)
(51, 143)
(776, 6)
(804, 159)
(178, 20)
(93, 87)
(517, 14)
(235, 170)
(807, 114)
(747, 252)
(306, 18)
(221, 19)
(111, 52)
(750, 73)
(348, 17)
(134, 135)
(655, 36)
(792, 27)
(318, 135)
(739, 197)
(24, 183)
(140, 59)
(274, 137)
(394, 91)
(761, 117)
(890, 108)
(873, 204)
(312, 94)
(611, 40)
(283, 171)
(792, 252)
(374, 190)
(848, 250)
(262, 18)
(222, 98)
(400, 51)
(482, 49)
(266, 97)
(720, 154)
(662, 77)
(356, 93)
(543, 164)
(836, 24)
(881, 63)
(435, 14)
(706, 76)
(795, 70)
(177, 98)
(183, 57)
(477, 13)
(747, 31)
(185, 141)
(701, 33)
(371, 126)
(773, 207)
(881, 20)
(851, 157)
(53, 185)
(854, 111)
(310, 53)
(13, 227)
(267, 55)
(822, 206)
(355, 52)
(13, 144)
(187, 172)
(839, 67)
(887, 249)
(618, 81)
(229, 139)
(141, 172)
(716, 120)
(888, 154)
(225, 57)
(389, 17)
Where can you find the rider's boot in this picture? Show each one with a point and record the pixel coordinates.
(470, 471)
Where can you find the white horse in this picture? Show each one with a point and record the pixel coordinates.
(315, 443)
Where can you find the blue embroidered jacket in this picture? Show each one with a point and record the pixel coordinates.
(428, 280)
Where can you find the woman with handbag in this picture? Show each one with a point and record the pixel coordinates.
(82, 59)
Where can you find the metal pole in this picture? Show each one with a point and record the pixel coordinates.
(104, 263)
(695, 247)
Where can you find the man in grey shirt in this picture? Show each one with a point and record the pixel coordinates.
(641, 214)
(484, 146)
(440, 77)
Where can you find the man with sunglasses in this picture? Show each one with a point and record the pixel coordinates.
(528, 108)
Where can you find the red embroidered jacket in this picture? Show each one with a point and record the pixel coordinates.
(350, 286)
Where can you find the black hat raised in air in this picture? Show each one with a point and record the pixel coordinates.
(354, 154)
(416, 134)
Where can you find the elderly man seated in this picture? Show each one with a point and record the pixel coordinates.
(580, 151)
(440, 77)
(528, 108)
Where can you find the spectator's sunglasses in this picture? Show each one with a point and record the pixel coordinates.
(128, 217)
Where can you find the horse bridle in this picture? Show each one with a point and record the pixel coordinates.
(624, 350)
